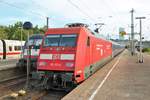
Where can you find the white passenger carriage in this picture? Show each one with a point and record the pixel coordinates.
(10, 49)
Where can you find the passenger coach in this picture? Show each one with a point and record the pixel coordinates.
(10, 49)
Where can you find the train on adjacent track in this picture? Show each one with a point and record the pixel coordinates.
(68, 56)
(10, 49)
(33, 45)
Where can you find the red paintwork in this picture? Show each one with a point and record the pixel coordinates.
(84, 55)
(56, 64)
(11, 53)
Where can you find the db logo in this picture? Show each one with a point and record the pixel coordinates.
(56, 56)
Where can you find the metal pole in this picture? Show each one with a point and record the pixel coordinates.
(141, 56)
(28, 63)
(132, 33)
(141, 60)
(21, 39)
(47, 22)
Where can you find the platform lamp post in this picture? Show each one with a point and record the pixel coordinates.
(141, 57)
(27, 26)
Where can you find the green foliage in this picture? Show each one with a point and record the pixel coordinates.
(13, 32)
(3, 33)
(146, 50)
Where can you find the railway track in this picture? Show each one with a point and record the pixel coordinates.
(12, 80)
(16, 83)
(10, 73)
(10, 86)
(36, 95)
(14, 86)
(6, 62)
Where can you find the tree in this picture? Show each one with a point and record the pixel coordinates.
(3, 34)
(13, 32)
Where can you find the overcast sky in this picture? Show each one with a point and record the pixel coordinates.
(114, 13)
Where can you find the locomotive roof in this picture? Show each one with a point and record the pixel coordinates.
(65, 30)
(68, 30)
(76, 25)
(36, 36)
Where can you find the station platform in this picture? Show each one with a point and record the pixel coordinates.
(121, 79)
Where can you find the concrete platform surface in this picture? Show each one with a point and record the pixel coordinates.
(122, 79)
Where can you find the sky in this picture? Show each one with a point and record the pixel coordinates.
(113, 13)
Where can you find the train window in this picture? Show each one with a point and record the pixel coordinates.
(10, 48)
(51, 40)
(17, 48)
(68, 40)
(38, 42)
(34, 42)
(88, 41)
(31, 42)
(60, 40)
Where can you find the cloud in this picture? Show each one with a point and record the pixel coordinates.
(61, 12)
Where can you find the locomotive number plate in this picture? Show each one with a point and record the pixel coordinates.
(56, 56)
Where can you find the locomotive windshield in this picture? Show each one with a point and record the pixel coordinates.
(34, 41)
(60, 40)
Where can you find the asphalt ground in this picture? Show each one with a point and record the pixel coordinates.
(121, 79)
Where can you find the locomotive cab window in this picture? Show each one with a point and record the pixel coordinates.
(68, 40)
(60, 40)
(34, 43)
(51, 40)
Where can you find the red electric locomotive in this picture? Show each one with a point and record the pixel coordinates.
(70, 55)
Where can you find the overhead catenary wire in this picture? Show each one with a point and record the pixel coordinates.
(20, 8)
(82, 11)
(87, 7)
(113, 9)
(38, 5)
(91, 12)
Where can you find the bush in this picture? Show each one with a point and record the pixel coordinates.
(146, 50)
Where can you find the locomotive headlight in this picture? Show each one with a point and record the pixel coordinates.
(42, 63)
(69, 64)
